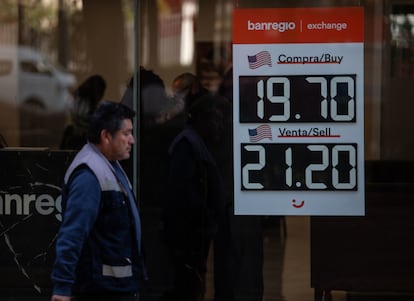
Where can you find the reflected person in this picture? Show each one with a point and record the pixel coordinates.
(193, 198)
(86, 99)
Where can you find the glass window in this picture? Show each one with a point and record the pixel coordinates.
(60, 58)
(48, 49)
(181, 39)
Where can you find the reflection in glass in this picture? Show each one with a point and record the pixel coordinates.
(46, 49)
(402, 41)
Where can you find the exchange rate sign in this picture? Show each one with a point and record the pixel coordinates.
(298, 111)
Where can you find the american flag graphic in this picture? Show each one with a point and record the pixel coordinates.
(260, 59)
(261, 132)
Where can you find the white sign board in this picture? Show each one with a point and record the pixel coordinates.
(298, 111)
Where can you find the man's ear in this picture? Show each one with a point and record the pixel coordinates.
(105, 136)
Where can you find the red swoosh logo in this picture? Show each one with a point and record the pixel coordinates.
(298, 205)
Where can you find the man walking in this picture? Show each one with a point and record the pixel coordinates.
(98, 249)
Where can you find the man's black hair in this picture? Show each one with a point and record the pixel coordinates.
(108, 116)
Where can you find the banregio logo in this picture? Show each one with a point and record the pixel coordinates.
(280, 26)
(43, 199)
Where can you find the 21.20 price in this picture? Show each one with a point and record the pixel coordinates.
(299, 166)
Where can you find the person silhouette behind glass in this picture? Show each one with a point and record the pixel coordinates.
(86, 99)
(193, 197)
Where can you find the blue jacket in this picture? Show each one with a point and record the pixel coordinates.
(98, 244)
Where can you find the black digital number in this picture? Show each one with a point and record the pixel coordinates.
(299, 166)
(310, 98)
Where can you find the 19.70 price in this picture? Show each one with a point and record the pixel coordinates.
(298, 98)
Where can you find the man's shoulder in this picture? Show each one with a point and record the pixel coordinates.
(84, 175)
(87, 157)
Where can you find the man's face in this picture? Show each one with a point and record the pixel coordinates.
(120, 144)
